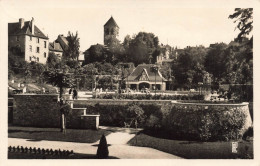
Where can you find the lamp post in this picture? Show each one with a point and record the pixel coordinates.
(200, 85)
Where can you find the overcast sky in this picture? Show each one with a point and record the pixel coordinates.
(173, 22)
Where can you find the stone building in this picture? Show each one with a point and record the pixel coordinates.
(31, 41)
(56, 48)
(111, 31)
(145, 76)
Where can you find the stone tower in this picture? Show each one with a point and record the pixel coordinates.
(111, 31)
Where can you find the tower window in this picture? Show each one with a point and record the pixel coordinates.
(107, 31)
(38, 40)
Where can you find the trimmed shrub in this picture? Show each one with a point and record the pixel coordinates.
(220, 123)
(102, 151)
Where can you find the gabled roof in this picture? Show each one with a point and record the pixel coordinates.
(63, 42)
(111, 23)
(14, 29)
(53, 46)
(147, 68)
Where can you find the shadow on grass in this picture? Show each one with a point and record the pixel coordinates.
(54, 134)
(17, 155)
(193, 149)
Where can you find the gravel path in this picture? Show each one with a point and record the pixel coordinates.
(117, 142)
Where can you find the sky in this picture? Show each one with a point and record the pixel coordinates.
(177, 24)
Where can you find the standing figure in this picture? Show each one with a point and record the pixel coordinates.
(75, 94)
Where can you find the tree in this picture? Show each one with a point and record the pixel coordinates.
(214, 61)
(189, 68)
(244, 17)
(72, 51)
(53, 60)
(96, 53)
(141, 47)
(61, 79)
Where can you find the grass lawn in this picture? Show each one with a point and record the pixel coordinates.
(194, 149)
(18, 155)
(54, 134)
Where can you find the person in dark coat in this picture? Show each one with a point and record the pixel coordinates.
(75, 94)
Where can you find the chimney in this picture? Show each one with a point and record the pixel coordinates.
(32, 24)
(21, 23)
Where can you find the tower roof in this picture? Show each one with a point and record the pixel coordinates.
(111, 22)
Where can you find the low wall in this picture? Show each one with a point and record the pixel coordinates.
(43, 111)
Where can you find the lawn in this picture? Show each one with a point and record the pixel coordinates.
(194, 149)
(54, 134)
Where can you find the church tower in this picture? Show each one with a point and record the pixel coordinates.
(111, 31)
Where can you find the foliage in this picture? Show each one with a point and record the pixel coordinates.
(135, 113)
(214, 61)
(72, 51)
(221, 123)
(244, 17)
(150, 97)
(53, 60)
(59, 79)
(102, 151)
(188, 70)
(140, 47)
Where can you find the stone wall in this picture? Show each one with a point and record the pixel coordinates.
(36, 110)
(42, 110)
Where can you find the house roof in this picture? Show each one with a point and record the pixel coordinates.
(111, 22)
(54, 46)
(63, 42)
(14, 29)
(147, 69)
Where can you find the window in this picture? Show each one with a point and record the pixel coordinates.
(45, 44)
(30, 58)
(38, 49)
(37, 59)
(38, 40)
(30, 48)
(17, 38)
(45, 55)
(30, 38)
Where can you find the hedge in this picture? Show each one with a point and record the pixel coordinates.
(178, 121)
(198, 123)
(149, 96)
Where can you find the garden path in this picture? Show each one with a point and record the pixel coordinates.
(117, 142)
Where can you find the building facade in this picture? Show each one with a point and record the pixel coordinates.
(55, 47)
(29, 39)
(146, 76)
(111, 31)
